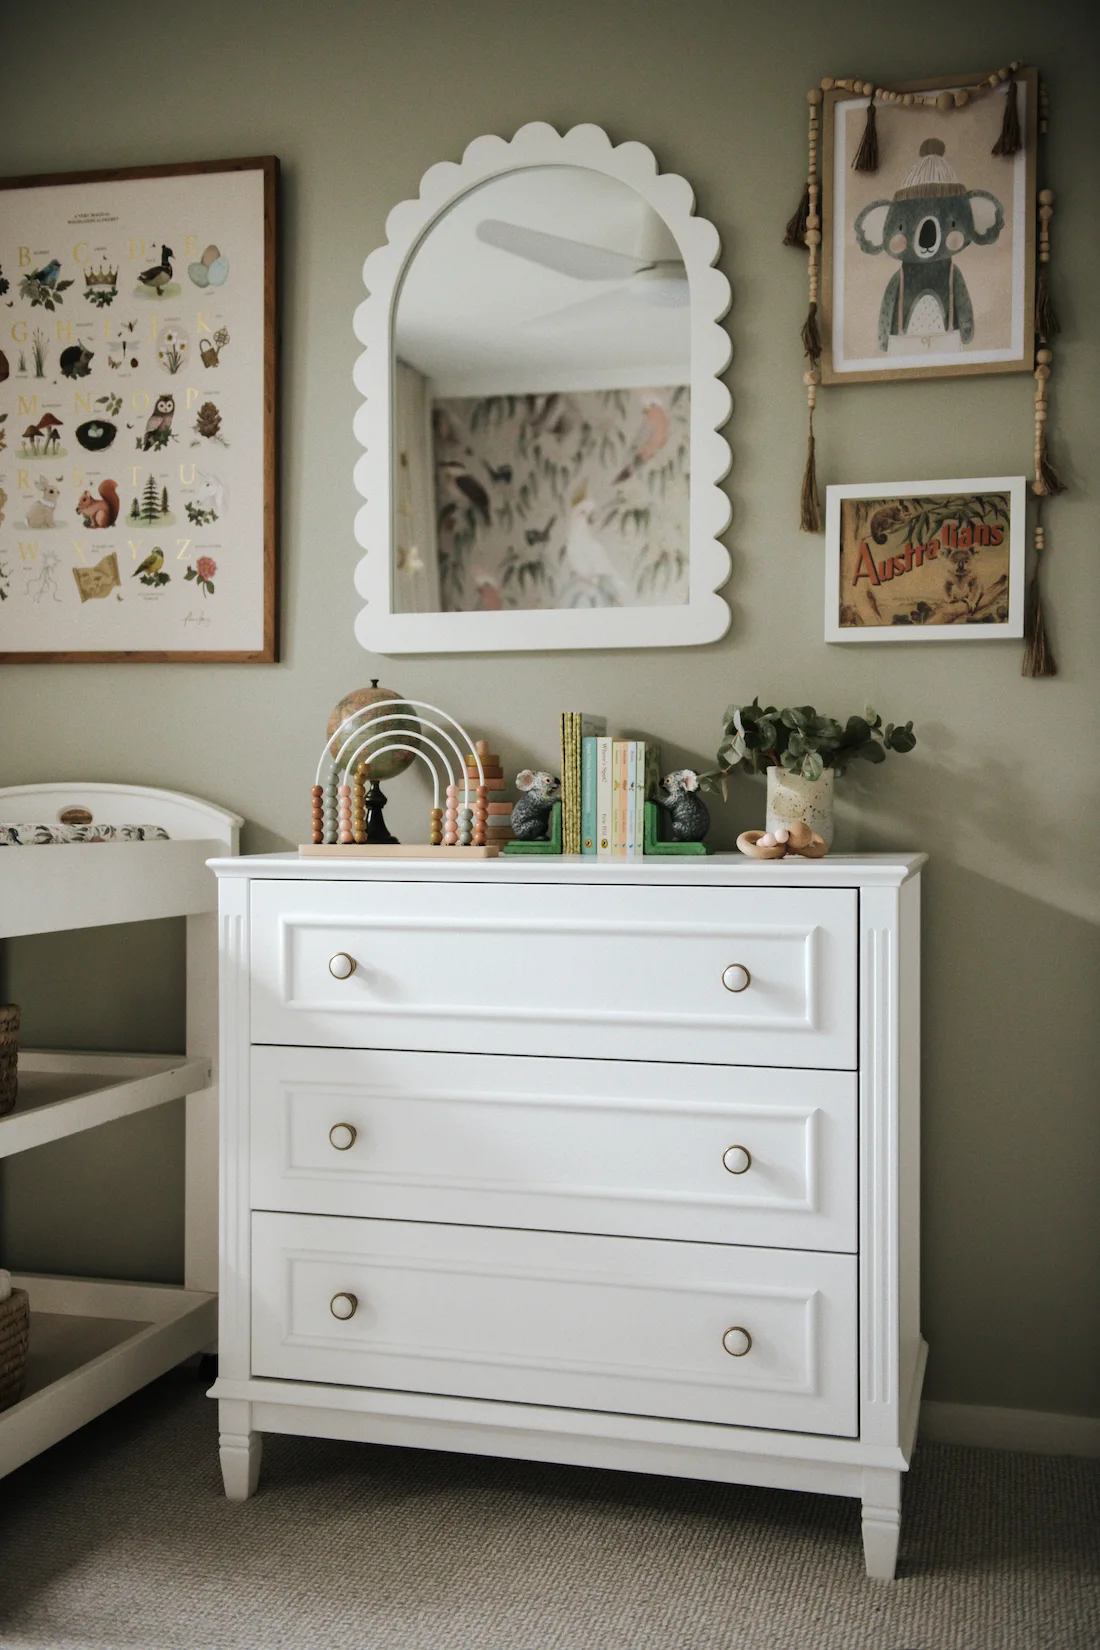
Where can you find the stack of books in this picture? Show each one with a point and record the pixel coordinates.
(604, 785)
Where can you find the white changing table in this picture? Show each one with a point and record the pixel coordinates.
(94, 1342)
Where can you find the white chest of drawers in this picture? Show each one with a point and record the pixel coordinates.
(606, 1163)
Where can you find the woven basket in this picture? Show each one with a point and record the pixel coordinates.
(9, 1056)
(15, 1316)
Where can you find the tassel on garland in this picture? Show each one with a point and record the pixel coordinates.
(810, 515)
(796, 225)
(867, 154)
(1038, 659)
(1010, 141)
(810, 521)
(1048, 483)
(1047, 324)
(811, 337)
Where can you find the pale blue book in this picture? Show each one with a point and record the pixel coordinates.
(589, 778)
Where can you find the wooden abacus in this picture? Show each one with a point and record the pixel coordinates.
(339, 800)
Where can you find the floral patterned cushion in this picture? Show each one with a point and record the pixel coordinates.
(22, 836)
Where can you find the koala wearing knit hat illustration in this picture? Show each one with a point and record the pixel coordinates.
(926, 307)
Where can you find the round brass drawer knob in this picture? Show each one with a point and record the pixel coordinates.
(342, 1136)
(736, 977)
(341, 967)
(343, 1306)
(737, 1342)
(737, 1159)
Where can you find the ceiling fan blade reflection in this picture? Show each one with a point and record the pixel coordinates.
(609, 306)
(557, 252)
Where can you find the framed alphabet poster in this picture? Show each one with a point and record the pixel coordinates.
(923, 561)
(138, 414)
(928, 262)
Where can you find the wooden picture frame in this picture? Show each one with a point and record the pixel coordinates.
(926, 561)
(944, 158)
(138, 307)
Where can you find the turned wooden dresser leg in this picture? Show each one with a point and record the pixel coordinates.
(881, 1522)
(240, 1449)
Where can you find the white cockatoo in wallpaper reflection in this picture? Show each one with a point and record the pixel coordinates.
(651, 437)
(588, 559)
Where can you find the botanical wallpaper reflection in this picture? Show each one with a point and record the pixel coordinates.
(564, 500)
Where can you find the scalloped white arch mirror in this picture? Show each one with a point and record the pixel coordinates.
(542, 406)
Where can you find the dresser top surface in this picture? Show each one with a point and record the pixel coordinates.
(714, 870)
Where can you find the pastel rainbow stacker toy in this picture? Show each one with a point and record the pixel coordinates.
(353, 753)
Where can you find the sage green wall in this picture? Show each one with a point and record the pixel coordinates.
(358, 99)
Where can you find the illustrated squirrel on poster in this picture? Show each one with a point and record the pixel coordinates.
(101, 511)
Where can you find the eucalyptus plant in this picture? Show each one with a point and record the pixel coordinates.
(757, 737)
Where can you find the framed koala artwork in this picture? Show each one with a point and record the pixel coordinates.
(928, 261)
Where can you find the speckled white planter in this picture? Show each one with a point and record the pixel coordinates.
(791, 797)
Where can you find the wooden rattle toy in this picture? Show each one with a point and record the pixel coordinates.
(793, 839)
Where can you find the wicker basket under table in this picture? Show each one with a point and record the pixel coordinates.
(15, 1316)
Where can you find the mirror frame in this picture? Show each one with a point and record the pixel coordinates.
(705, 616)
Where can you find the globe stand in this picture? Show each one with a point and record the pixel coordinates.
(377, 829)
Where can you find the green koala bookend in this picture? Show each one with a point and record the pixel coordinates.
(926, 306)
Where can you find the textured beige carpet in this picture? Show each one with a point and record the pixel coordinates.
(120, 1537)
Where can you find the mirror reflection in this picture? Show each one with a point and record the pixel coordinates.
(541, 402)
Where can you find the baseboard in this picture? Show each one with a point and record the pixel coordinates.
(1021, 1429)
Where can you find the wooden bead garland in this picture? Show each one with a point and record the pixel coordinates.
(810, 515)
(1038, 658)
(804, 227)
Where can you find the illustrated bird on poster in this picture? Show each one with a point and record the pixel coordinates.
(160, 274)
(47, 275)
(153, 563)
(466, 492)
(588, 558)
(160, 419)
(651, 437)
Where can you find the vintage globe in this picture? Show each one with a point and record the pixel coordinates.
(375, 701)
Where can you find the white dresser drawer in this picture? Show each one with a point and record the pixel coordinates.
(599, 1323)
(711, 1154)
(627, 972)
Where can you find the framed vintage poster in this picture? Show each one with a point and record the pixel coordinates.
(925, 560)
(138, 414)
(928, 261)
